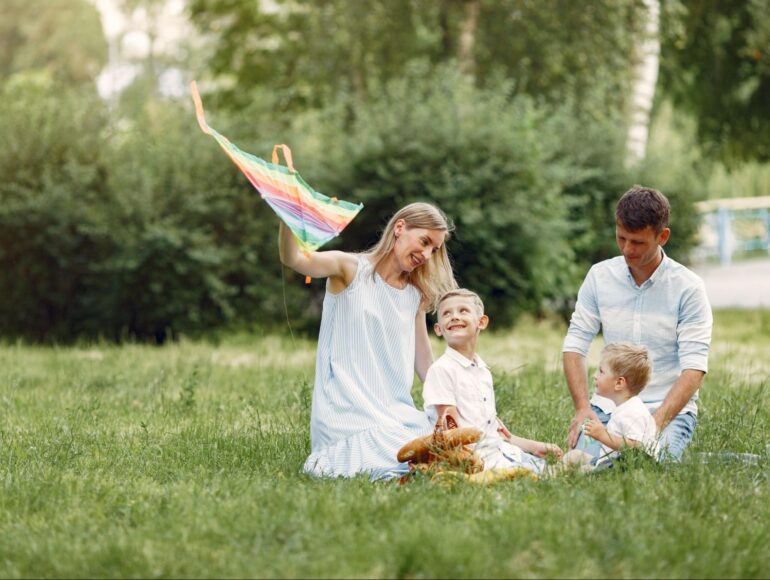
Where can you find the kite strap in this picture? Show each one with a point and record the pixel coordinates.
(199, 108)
(286, 156)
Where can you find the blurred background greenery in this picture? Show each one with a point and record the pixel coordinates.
(120, 220)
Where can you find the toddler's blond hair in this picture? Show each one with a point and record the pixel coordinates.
(630, 361)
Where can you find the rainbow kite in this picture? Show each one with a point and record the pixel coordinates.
(313, 218)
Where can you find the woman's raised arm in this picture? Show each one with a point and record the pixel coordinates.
(339, 266)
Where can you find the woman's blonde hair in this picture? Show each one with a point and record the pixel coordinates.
(435, 276)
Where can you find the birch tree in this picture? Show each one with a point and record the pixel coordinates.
(645, 77)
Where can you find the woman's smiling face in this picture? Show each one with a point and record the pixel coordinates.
(414, 247)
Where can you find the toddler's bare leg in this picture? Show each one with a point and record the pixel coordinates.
(577, 459)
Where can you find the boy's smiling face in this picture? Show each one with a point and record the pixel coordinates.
(459, 321)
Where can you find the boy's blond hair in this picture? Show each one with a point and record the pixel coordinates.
(630, 361)
(465, 293)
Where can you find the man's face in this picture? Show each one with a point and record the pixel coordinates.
(459, 321)
(642, 247)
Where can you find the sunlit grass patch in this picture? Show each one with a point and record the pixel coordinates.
(185, 461)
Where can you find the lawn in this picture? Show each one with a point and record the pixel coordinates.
(183, 461)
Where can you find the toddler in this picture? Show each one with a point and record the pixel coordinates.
(624, 370)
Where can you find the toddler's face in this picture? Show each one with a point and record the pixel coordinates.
(459, 321)
(604, 380)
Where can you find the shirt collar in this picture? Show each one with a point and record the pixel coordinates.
(463, 360)
(655, 275)
(661, 267)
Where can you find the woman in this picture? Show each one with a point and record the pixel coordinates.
(373, 338)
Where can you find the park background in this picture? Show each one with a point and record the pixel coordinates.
(156, 360)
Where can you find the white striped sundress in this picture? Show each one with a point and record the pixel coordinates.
(363, 410)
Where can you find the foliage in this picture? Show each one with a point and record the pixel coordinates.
(480, 155)
(184, 461)
(125, 233)
(63, 37)
(139, 227)
(561, 49)
(676, 166)
(52, 190)
(309, 51)
(314, 51)
(716, 66)
(750, 179)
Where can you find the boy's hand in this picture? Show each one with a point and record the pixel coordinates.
(595, 429)
(446, 421)
(544, 449)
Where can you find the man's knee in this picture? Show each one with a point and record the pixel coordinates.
(676, 437)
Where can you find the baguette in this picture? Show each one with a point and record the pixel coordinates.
(421, 450)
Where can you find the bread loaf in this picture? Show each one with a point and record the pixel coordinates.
(421, 449)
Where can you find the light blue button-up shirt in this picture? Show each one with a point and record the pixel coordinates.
(669, 314)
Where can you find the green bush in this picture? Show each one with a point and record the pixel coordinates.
(143, 228)
(52, 195)
(481, 156)
(141, 231)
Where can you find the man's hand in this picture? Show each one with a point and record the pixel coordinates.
(660, 421)
(574, 428)
(544, 449)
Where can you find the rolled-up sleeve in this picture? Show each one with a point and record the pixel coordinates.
(585, 322)
(694, 330)
(439, 387)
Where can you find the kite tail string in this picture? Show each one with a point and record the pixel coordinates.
(286, 307)
(306, 379)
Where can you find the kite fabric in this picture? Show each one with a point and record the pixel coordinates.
(313, 218)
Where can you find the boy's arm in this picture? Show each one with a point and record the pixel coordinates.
(538, 448)
(599, 432)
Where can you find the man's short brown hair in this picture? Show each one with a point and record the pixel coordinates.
(641, 207)
(630, 361)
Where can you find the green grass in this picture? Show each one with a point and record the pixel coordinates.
(183, 461)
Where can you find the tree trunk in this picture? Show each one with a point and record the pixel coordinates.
(465, 55)
(645, 77)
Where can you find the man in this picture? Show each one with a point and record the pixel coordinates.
(646, 298)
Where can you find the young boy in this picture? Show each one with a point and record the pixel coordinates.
(458, 388)
(624, 370)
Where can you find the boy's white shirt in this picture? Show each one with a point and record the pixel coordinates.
(632, 420)
(455, 380)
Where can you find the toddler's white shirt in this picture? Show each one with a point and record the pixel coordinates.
(632, 420)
